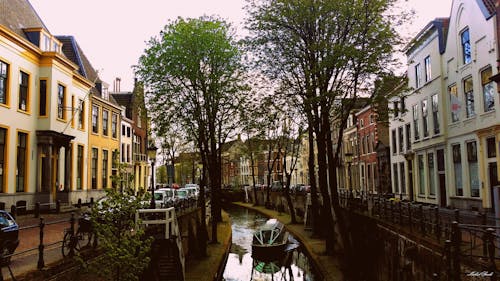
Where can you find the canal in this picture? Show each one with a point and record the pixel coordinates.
(240, 264)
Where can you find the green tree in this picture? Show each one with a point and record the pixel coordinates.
(161, 174)
(125, 248)
(194, 76)
(325, 55)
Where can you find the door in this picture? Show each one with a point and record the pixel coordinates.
(494, 184)
(442, 178)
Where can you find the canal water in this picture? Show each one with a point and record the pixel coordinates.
(240, 264)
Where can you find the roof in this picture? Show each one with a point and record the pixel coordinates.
(122, 98)
(18, 15)
(72, 51)
(487, 7)
(438, 24)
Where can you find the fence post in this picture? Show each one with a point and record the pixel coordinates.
(41, 262)
(491, 251)
(447, 253)
(422, 223)
(393, 219)
(37, 209)
(400, 213)
(457, 215)
(437, 220)
(13, 211)
(410, 220)
(72, 231)
(456, 239)
(58, 206)
(79, 204)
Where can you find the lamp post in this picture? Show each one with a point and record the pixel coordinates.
(348, 159)
(152, 156)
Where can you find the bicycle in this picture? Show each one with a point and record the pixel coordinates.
(81, 239)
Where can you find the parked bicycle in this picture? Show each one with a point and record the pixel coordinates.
(82, 238)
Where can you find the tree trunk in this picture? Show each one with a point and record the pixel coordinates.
(312, 181)
(288, 198)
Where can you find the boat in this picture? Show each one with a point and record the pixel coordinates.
(270, 242)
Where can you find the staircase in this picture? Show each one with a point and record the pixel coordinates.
(168, 264)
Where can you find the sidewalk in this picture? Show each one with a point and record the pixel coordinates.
(329, 266)
(25, 265)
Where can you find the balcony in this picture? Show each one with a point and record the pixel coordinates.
(140, 157)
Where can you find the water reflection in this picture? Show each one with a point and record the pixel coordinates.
(240, 265)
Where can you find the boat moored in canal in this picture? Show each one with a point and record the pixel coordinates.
(270, 241)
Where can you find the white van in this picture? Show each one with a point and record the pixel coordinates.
(193, 190)
(164, 198)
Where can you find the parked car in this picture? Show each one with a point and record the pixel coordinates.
(9, 236)
(193, 189)
(168, 195)
(182, 194)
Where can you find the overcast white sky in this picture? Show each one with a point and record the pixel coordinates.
(112, 33)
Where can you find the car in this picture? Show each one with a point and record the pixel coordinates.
(168, 195)
(182, 194)
(9, 236)
(193, 189)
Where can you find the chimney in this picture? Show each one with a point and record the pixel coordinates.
(116, 85)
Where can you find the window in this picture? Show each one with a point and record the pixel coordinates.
(491, 151)
(435, 113)
(415, 122)
(128, 132)
(123, 130)
(105, 121)
(81, 114)
(430, 166)
(114, 125)
(469, 98)
(401, 139)
(418, 76)
(61, 101)
(94, 168)
(457, 169)
(95, 117)
(22, 145)
(466, 47)
(408, 136)
(104, 169)
(395, 105)
(454, 103)
(403, 105)
(421, 175)
(425, 121)
(395, 177)
(79, 167)
(4, 79)
(23, 91)
(394, 147)
(427, 63)
(42, 106)
(473, 168)
(488, 90)
(3, 150)
(402, 176)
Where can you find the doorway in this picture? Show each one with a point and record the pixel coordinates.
(493, 180)
(442, 177)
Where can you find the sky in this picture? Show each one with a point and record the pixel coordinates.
(113, 33)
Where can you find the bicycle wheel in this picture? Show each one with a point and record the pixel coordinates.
(84, 239)
(66, 244)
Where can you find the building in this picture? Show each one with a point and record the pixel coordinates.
(44, 95)
(104, 138)
(473, 105)
(418, 127)
(133, 104)
(444, 133)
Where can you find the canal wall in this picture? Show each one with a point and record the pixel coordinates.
(381, 252)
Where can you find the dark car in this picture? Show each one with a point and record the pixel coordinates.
(9, 236)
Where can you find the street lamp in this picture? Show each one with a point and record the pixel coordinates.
(348, 159)
(152, 156)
